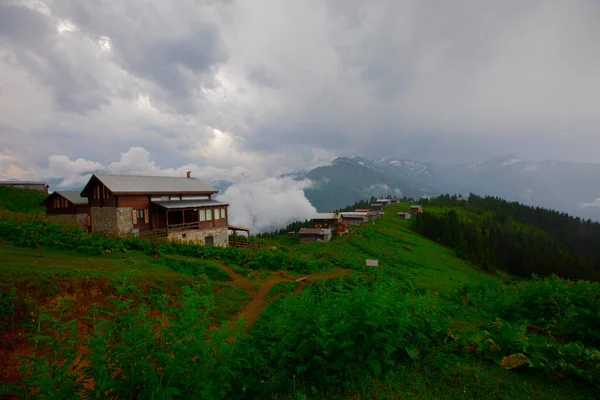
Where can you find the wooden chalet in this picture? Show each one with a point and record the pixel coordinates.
(355, 218)
(326, 220)
(68, 206)
(416, 209)
(343, 227)
(404, 215)
(376, 207)
(314, 235)
(173, 207)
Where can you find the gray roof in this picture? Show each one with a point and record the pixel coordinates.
(326, 216)
(73, 197)
(314, 231)
(355, 214)
(154, 184)
(179, 204)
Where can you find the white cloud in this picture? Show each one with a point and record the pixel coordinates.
(61, 165)
(269, 204)
(381, 189)
(594, 204)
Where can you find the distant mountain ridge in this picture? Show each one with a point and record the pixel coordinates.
(565, 186)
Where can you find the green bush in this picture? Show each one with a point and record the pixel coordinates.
(330, 337)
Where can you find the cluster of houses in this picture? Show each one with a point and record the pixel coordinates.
(327, 225)
(176, 208)
(148, 206)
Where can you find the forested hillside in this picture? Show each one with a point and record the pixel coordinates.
(523, 240)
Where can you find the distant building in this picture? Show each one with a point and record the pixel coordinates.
(362, 210)
(314, 235)
(68, 206)
(416, 209)
(355, 218)
(43, 186)
(394, 201)
(384, 202)
(343, 227)
(404, 215)
(376, 207)
(326, 220)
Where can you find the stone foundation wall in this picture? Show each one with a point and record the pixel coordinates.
(124, 220)
(104, 220)
(220, 236)
(111, 221)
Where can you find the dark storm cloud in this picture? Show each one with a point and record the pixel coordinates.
(173, 49)
(293, 82)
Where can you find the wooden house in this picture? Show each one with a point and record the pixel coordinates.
(314, 235)
(355, 218)
(43, 186)
(395, 201)
(68, 206)
(376, 207)
(172, 207)
(326, 220)
(361, 210)
(404, 215)
(384, 202)
(343, 227)
(416, 209)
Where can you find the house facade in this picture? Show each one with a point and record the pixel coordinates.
(355, 218)
(343, 227)
(326, 221)
(43, 186)
(384, 202)
(376, 207)
(416, 209)
(404, 215)
(157, 206)
(314, 235)
(68, 206)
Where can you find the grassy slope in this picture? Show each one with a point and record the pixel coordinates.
(21, 200)
(406, 256)
(402, 254)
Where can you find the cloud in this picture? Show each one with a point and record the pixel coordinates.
(269, 204)
(61, 165)
(224, 85)
(381, 189)
(593, 204)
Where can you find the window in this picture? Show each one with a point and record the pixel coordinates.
(217, 214)
(209, 215)
(202, 215)
(140, 214)
(223, 213)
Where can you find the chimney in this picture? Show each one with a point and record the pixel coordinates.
(189, 174)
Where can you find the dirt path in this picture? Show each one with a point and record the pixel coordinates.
(258, 298)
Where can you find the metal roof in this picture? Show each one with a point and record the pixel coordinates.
(73, 197)
(179, 204)
(314, 231)
(326, 216)
(153, 184)
(354, 214)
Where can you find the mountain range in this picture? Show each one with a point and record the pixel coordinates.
(564, 186)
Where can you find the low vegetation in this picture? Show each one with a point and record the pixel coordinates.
(425, 324)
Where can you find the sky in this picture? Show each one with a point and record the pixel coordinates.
(247, 90)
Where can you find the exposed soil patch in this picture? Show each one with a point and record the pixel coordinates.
(258, 298)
